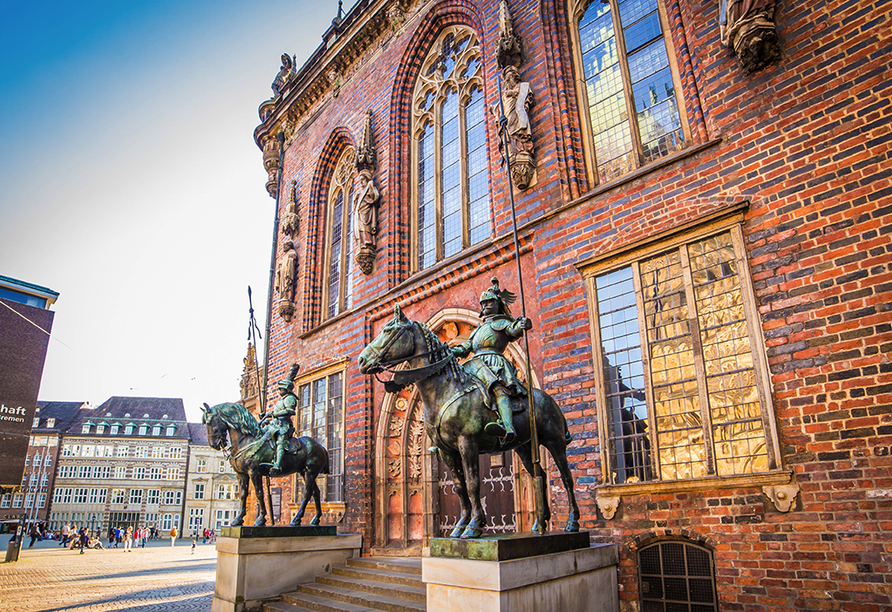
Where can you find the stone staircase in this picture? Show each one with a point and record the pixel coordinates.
(392, 584)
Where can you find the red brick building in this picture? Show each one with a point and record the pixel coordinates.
(705, 239)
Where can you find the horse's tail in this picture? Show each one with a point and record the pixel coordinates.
(325, 469)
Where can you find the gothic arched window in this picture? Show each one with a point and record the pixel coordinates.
(338, 263)
(450, 170)
(628, 85)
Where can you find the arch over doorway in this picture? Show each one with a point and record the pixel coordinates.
(411, 485)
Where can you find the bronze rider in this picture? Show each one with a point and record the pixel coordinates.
(488, 343)
(280, 428)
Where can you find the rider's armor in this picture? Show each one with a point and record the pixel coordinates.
(488, 343)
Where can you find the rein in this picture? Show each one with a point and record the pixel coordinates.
(409, 376)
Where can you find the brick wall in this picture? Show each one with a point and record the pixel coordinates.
(806, 142)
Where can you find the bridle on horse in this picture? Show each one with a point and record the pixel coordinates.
(403, 378)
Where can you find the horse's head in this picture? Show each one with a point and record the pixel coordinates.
(218, 430)
(395, 344)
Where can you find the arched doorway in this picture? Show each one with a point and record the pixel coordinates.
(414, 498)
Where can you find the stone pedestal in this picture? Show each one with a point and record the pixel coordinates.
(521, 573)
(260, 563)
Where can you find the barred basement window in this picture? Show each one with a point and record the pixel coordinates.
(451, 175)
(676, 577)
(626, 69)
(321, 416)
(339, 288)
(683, 385)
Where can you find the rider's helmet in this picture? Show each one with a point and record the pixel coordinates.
(503, 297)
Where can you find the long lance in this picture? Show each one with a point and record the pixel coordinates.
(269, 303)
(253, 332)
(538, 476)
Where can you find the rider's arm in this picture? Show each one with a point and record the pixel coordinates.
(462, 350)
(517, 328)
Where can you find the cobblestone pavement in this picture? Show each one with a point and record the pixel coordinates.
(152, 579)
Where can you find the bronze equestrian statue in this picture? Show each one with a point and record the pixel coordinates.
(458, 407)
(253, 454)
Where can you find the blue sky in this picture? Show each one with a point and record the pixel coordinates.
(130, 184)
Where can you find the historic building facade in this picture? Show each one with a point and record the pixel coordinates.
(123, 464)
(702, 196)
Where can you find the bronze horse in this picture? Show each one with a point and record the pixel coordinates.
(251, 455)
(455, 415)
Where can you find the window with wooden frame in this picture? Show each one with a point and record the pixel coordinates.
(628, 84)
(321, 416)
(683, 387)
(450, 174)
(338, 263)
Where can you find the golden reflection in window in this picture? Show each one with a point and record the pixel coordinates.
(739, 437)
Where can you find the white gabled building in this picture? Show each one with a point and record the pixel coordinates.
(211, 486)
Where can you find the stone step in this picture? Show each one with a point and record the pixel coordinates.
(405, 565)
(378, 575)
(410, 593)
(317, 595)
(300, 602)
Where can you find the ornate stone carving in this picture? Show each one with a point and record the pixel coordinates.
(248, 383)
(396, 426)
(747, 27)
(290, 220)
(608, 505)
(284, 76)
(415, 444)
(783, 497)
(335, 78)
(517, 100)
(510, 45)
(366, 202)
(285, 280)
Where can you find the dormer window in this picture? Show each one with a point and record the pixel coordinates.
(51, 422)
(156, 430)
(171, 430)
(143, 429)
(114, 429)
(128, 429)
(86, 428)
(35, 422)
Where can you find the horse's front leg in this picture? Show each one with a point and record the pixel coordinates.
(453, 462)
(317, 501)
(558, 451)
(243, 490)
(470, 459)
(257, 479)
(525, 452)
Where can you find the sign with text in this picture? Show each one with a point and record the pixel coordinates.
(24, 337)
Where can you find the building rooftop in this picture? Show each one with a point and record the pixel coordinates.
(55, 417)
(22, 292)
(135, 411)
(198, 433)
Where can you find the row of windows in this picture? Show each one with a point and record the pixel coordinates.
(15, 500)
(103, 472)
(69, 495)
(33, 479)
(634, 115)
(43, 440)
(201, 466)
(109, 450)
(114, 428)
(224, 491)
(46, 460)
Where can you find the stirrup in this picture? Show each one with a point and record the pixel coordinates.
(494, 428)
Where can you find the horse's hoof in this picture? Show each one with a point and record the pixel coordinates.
(457, 532)
(237, 523)
(260, 522)
(471, 533)
(295, 522)
(314, 522)
(572, 526)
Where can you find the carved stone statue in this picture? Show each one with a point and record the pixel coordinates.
(285, 74)
(517, 100)
(366, 201)
(285, 277)
(290, 220)
(747, 27)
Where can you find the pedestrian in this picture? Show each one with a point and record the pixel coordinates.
(173, 536)
(84, 539)
(145, 533)
(128, 539)
(65, 531)
(193, 546)
(34, 534)
(118, 536)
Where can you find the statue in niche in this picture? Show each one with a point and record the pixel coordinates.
(285, 74)
(290, 220)
(366, 201)
(285, 277)
(747, 27)
(517, 100)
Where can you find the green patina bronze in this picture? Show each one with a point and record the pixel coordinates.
(253, 454)
(459, 411)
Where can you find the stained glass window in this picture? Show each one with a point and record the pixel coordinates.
(679, 371)
(630, 90)
(451, 174)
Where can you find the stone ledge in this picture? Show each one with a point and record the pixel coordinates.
(509, 546)
(259, 546)
(516, 573)
(245, 531)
